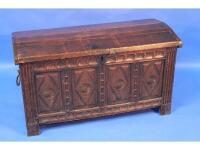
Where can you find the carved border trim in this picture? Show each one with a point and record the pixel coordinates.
(135, 56)
(57, 65)
(101, 111)
(93, 60)
(67, 95)
(135, 79)
(102, 86)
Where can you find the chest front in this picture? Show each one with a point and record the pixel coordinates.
(102, 71)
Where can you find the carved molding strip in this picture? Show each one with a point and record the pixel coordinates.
(102, 86)
(131, 57)
(67, 94)
(93, 60)
(56, 65)
(135, 81)
(102, 111)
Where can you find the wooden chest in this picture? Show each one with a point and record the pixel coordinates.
(90, 71)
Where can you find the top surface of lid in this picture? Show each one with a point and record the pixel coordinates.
(60, 43)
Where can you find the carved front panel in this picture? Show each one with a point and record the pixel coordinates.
(84, 88)
(118, 83)
(48, 89)
(151, 81)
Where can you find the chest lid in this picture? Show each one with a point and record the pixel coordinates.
(60, 43)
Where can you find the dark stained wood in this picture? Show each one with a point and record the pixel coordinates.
(70, 42)
(91, 71)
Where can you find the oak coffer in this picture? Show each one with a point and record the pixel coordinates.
(90, 71)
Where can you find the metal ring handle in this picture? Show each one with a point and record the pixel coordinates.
(18, 79)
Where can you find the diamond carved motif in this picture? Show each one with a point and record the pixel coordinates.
(84, 88)
(48, 92)
(152, 78)
(118, 86)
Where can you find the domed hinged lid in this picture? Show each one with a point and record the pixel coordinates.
(61, 43)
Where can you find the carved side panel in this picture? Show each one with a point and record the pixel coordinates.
(30, 103)
(151, 79)
(48, 89)
(168, 81)
(84, 88)
(118, 83)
